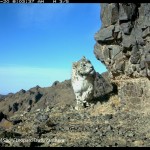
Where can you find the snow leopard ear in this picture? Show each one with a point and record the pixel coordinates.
(74, 65)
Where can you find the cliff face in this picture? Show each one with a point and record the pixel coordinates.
(123, 41)
(123, 45)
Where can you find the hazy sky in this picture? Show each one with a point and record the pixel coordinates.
(39, 42)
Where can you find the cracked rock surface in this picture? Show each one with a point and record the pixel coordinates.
(122, 43)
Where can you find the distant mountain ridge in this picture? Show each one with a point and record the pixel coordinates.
(60, 93)
(2, 97)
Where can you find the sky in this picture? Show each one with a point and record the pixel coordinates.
(39, 43)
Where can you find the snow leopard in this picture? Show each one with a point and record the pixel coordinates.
(82, 80)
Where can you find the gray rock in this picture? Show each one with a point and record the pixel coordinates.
(42, 117)
(98, 52)
(2, 116)
(135, 55)
(30, 102)
(146, 32)
(108, 116)
(142, 64)
(102, 85)
(113, 12)
(105, 18)
(147, 58)
(126, 27)
(126, 11)
(105, 34)
(128, 41)
(37, 96)
(55, 83)
(129, 134)
(16, 121)
(15, 107)
(114, 51)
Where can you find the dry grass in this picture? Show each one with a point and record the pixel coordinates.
(81, 122)
(55, 114)
(115, 139)
(114, 100)
(106, 107)
(58, 114)
(71, 136)
(6, 124)
(25, 129)
(138, 143)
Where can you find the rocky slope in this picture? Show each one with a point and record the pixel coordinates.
(61, 126)
(41, 112)
(50, 120)
(37, 97)
(120, 116)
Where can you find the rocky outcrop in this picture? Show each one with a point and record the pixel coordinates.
(123, 45)
(135, 93)
(123, 40)
(102, 86)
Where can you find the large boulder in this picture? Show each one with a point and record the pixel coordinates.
(102, 85)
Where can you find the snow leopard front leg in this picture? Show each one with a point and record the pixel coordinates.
(79, 104)
(87, 96)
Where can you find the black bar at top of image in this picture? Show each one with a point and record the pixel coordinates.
(88, 1)
(73, 1)
(50, 1)
(79, 1)
(62, 1)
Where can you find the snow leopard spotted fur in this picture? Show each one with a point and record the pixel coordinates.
(82, 79)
